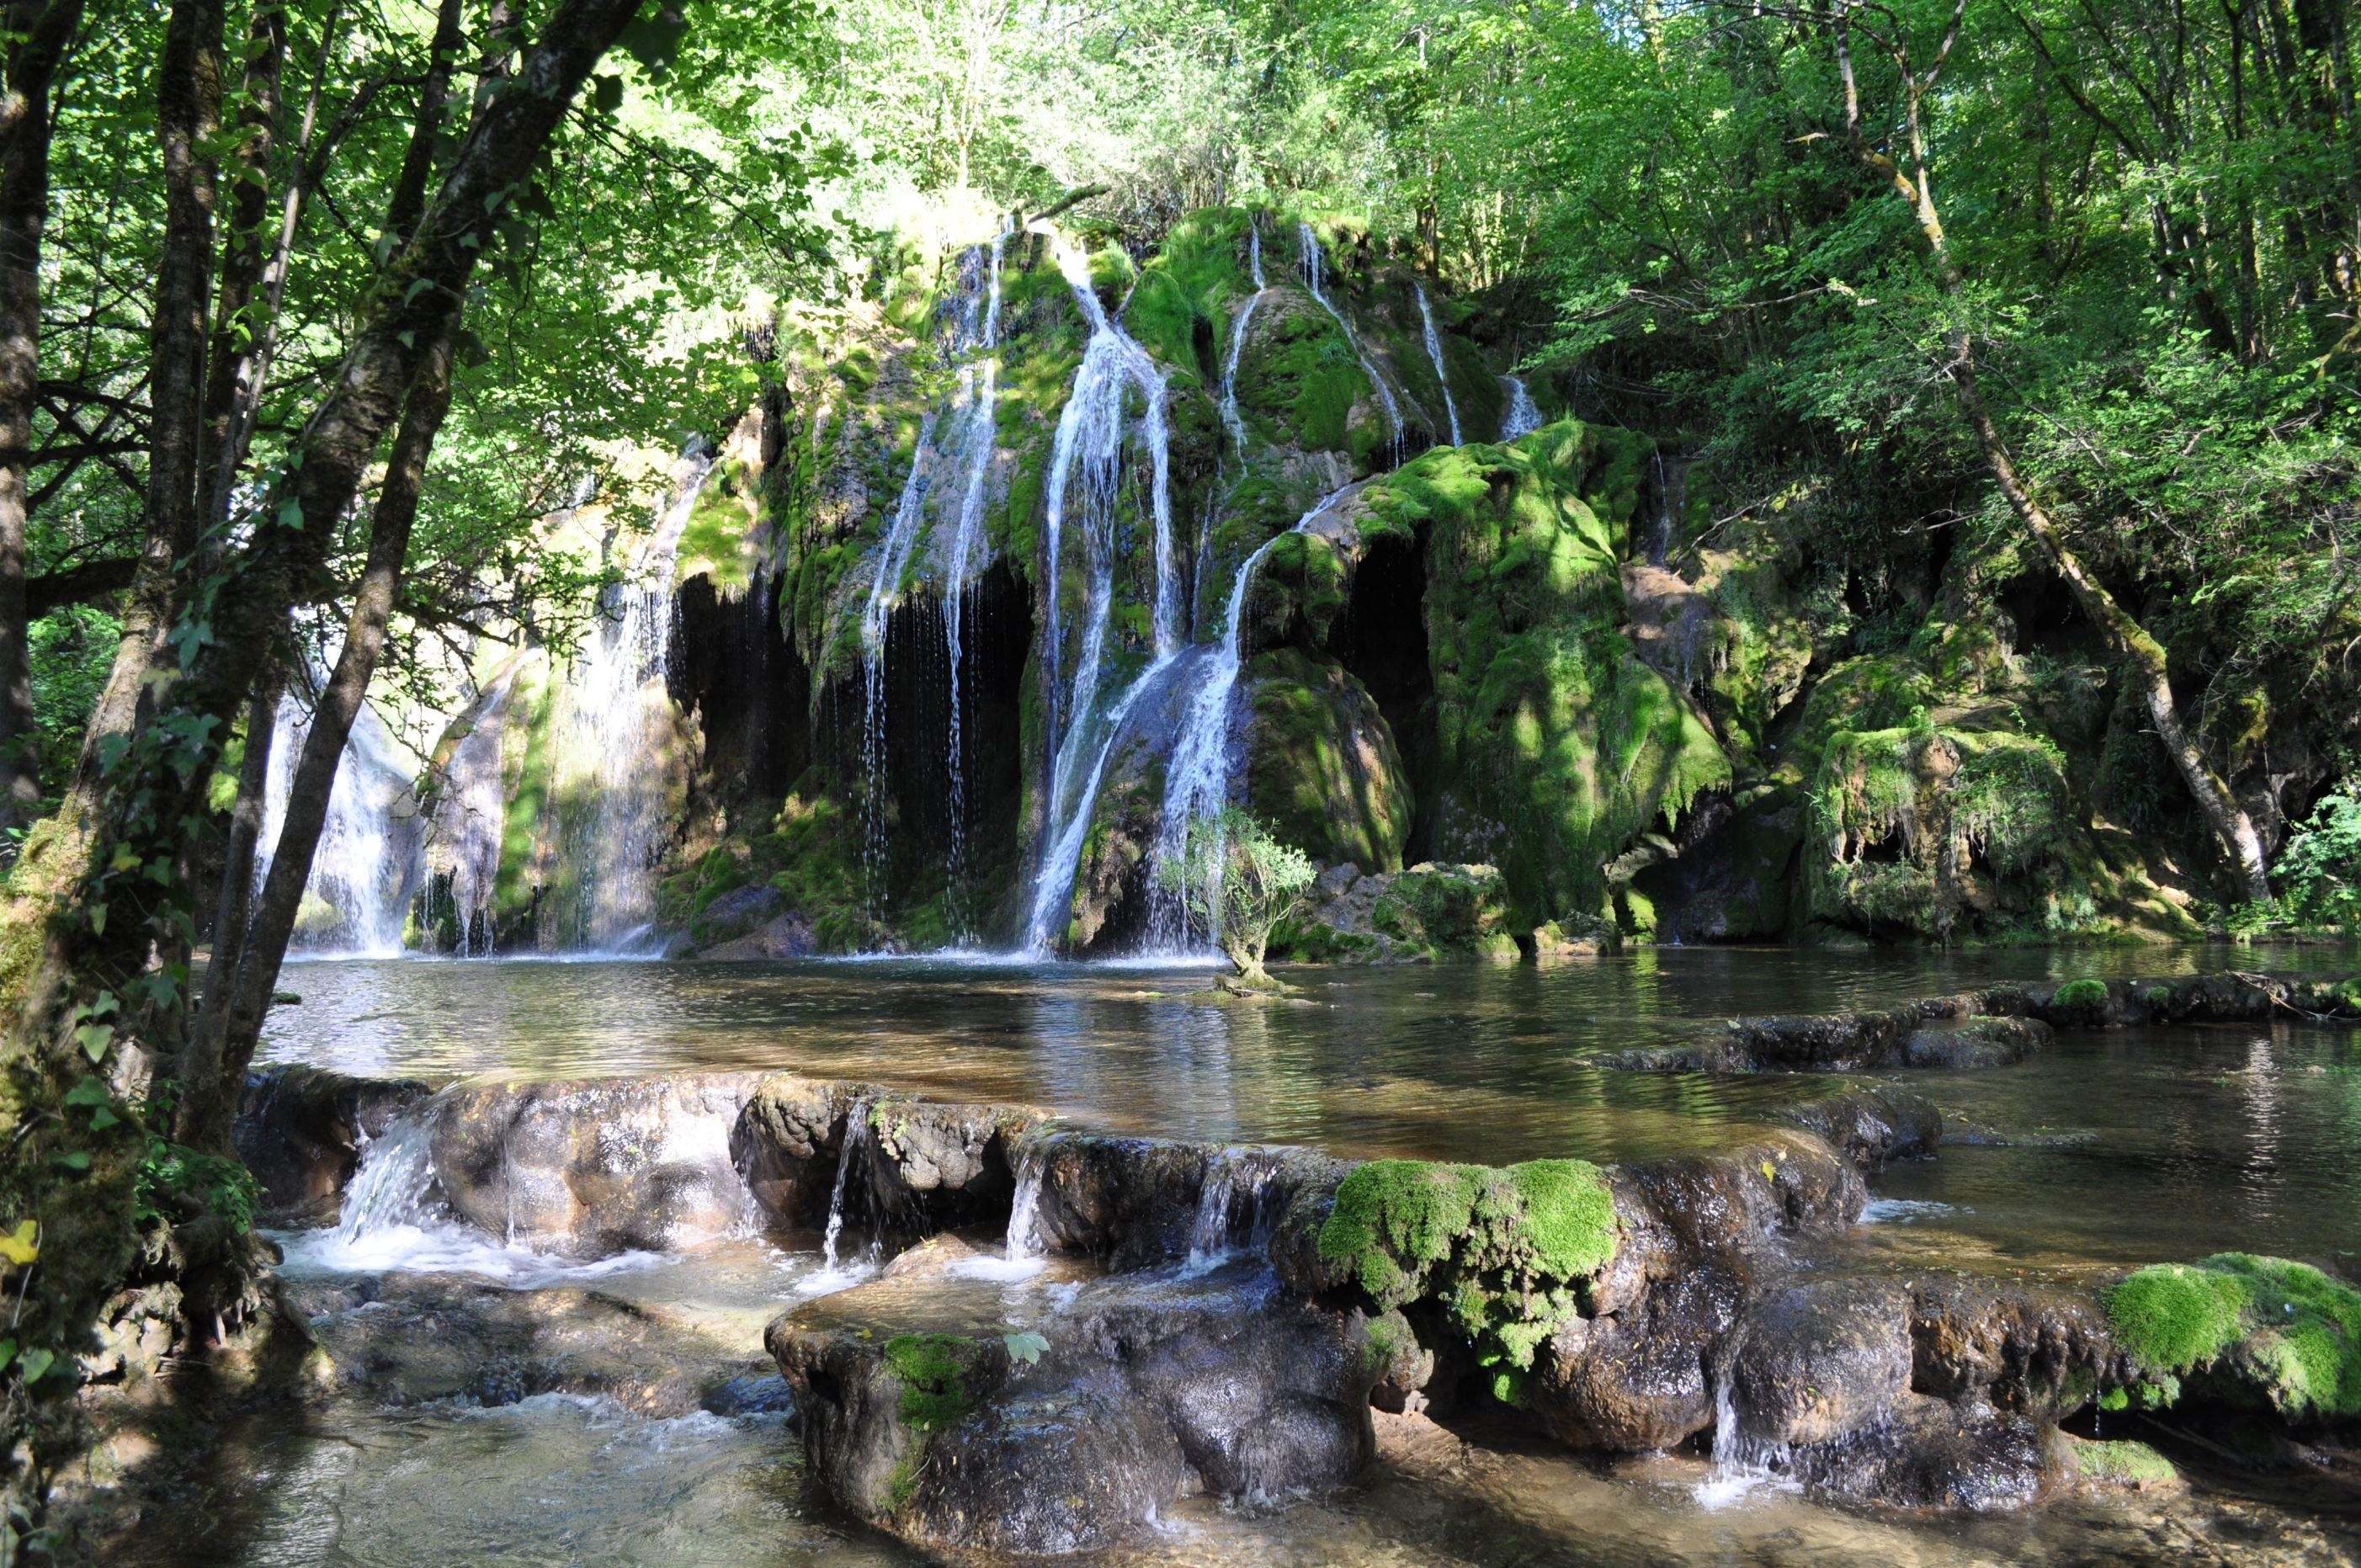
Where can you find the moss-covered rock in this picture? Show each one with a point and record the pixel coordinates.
(1322, 767)
(1505, 1251)
(2256, 1330)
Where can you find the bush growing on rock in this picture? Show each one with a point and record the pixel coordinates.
(1238, 880)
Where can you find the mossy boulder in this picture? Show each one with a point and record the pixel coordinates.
(1322, 766)
(2244, 1330)
(1505, 1251)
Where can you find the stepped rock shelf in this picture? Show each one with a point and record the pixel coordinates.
(1145, 1319)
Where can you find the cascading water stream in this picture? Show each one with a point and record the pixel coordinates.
(469, 820)
(366, 864)
(979, 393)
(1315, 273)
(1087, 459)
(856, 1134)
(1522, 416)
(1232, 1175)
(1662, 545)
(884, 592)
(1021, 1246)
(619, 710)
(1435, 352)
(1197, 779)
(1231, 419)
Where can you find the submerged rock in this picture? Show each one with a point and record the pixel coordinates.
(2035, 1350)
(1873, 1125)
(1818, 1361)
(1062, 1420)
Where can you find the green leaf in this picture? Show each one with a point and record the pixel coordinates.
(89, 1091)
(102, 1119)
(1026, 1347)
(94, 1038)
(7, 1352)
(607, 95)
(654, 41)
(71, 1159)
(37, 1362)
(98, 919)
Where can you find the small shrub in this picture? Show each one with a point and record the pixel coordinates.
(2320, 869)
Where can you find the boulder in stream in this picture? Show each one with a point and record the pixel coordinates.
(960, 1415)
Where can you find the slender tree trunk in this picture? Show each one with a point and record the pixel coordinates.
(32, 62)
(213, 1064)
(236, 300)
(237, 895)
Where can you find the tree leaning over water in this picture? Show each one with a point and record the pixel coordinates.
(345, 220)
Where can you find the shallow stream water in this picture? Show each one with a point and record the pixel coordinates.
(2109, 1149)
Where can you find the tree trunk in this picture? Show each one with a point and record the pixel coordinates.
(236, 300)
(88, 905)
(24, 206)
(213, 1067)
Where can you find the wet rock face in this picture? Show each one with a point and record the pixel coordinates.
(789, 936)
(1817, 1362)
(299, 1130)
(2036, 1351)
(597, 1166)
(1873, 1124)
(927, 1412)
(1930, 1454)
(1639, 1378)
(1944, 1033)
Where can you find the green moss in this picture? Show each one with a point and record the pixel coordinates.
(933, 1370)
(2125, 1463)
(2280, 1330)
(1444, 910)
(1569, 1212)
(1506, 1252)
(2080, 993)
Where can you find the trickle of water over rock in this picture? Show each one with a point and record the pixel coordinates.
(1315, 274)
(1231, 419)
(856, 1134)
(1522, 416)
(979, 398)
(884, 592)
(366, 862)
(1435, 352)
(1232, 1175)
(1022, 1245)
(1087, 457)
(617, 714)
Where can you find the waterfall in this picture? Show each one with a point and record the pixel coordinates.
(470, 813)
(618, 714)
(1434, 352)
(884, 592)
(1086, 459)
(366, 865)
(1663, 545)
(1197, 779)
(1522, 416)
(979, 395)
(1315, 273)
(1741, 1463)
(1231, 419)
(1030, 1163)
(1230, 1174)
(856, 1132)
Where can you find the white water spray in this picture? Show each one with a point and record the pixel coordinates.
(1522, 416)
(1435, 352)
(366, 864)
(1021, 1245)
(1086, 464)
(1231, 419)
(856, 1134)
(979, 393)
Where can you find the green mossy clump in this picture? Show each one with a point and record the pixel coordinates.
(933, 1370)
(1555, 746)
(2264, 1328)
(2081, 995)
(1314, 941)
(1507, 1253)
(1447, 911)
(2123, 1464)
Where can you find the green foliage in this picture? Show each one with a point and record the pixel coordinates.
(1237, 880)
(172, 1180)
(2123, 1462)
(2319, 870)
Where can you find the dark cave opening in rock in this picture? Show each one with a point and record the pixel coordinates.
(1380, 638)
